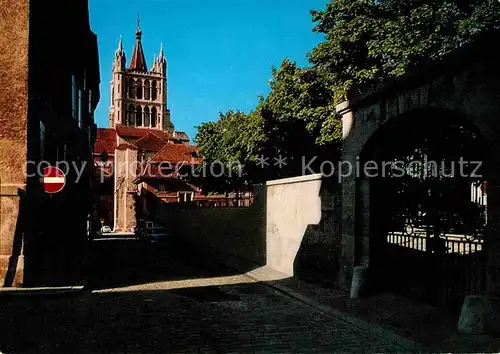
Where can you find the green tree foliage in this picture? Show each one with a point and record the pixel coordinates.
(229, 147)
(294, 113)
(370, 41)
(367, 42)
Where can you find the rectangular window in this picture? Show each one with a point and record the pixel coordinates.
(80, 117)
(74, 97)
(42, 141)
(90, 102)
(186, 197)
(64, 152)
(90, 131)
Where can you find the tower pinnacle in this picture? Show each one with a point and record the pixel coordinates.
(138, 61)
(138, 31)
(120, 46)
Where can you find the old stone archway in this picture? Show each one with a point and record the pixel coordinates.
(427, 208)
(464, 87)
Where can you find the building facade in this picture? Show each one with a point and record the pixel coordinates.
(48, 94)
(140, 130)
(141, 161)
(139, 95)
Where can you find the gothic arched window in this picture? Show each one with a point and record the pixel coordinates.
(129, 115)
(146, 117)
(147, 90)
(125, 86)
(139, 89)
(131, 88)
(153, 117)
(154, 92)
(138, 116)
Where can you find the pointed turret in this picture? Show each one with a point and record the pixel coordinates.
(138, 61)
(161, 51)
(162, 61)
(153, 67)
(119, 50)
(119, 63)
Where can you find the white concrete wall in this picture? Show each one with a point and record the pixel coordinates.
(292, 205)
(270, 232)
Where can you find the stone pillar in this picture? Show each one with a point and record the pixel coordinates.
(481, 313)
(125, 173)
(348, 233)
(364, 211)
(348, 181)
(358, 285)
(11, 236)
(492, 241)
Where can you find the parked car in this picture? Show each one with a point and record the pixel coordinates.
(105, 229)
(151, 233)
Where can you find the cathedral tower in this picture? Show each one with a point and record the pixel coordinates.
(139, 95)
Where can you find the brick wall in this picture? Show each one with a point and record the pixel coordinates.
(13, 122)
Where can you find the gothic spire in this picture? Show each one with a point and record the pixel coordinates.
(138, 61)
(119, 62)
(138, 31)
(161, 50)
(119, 50)
(161, 56)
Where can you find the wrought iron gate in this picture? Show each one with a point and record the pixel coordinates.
(428, 227)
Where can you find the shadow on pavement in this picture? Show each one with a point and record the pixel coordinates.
(115, 263)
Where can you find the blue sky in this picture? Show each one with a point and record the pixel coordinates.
(219, 52)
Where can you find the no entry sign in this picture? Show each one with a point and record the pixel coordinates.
(53, 179)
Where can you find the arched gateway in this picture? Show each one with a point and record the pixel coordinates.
(427, 206)
(416, 210)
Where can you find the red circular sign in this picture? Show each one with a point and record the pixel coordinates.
(53, 179)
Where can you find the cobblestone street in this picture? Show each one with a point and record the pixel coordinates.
(187, 306)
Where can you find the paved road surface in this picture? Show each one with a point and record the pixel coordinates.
(173, 310)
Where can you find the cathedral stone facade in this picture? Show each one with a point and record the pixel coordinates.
(139, 95)
(140, 134)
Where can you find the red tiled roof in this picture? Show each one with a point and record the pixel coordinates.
(125, 146)
(154, 170)
(134, 132)
(105, 141)
(175, 153)
(181, 136)
(172, 185)
(150, 142)
(138, 61)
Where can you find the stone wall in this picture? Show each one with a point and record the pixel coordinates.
(237, 231)
(13, 123)
(291, 227)
(464, 85)
(124, 203)
(292, 205)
